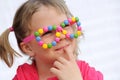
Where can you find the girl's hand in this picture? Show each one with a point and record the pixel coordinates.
(66, 69)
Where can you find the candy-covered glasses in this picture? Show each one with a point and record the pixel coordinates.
(58, 31)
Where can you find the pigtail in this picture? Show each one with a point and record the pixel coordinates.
(6, 51)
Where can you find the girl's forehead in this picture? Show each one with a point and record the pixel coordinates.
(49, 22)
(47, 16)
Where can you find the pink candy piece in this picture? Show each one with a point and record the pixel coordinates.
(45, 29)
(67, 35)
(59, 28)
(57, 39)
(79, 28)
(70, 21)
(40, 43)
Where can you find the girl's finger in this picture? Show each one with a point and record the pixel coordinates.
(69, 51)
(62, 60)
(58, 64)
(55, 71)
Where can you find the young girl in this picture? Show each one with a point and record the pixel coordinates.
(47, 31)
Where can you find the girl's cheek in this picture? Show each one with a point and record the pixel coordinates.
(48, 39)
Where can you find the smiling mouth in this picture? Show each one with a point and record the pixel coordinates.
(62, 47)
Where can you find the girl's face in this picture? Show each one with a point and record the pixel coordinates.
(44, 17)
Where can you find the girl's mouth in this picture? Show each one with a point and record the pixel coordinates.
(62, 47)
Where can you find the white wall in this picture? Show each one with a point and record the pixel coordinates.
(101, 24)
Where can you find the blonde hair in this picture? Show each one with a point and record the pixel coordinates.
(21, 25)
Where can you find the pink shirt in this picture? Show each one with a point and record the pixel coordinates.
(29, 72)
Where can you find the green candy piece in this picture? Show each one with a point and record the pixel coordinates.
(62, 24)
(54, 27)
(75, 35)
(49, 45)
(36, 34)
(77, 19)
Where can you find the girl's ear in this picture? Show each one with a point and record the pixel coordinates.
(26, 49)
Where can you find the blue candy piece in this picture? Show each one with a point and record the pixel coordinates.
(49, 28)
(66, 22)
(54, 43)
(71, 36)
(78, 23)
(38, 38)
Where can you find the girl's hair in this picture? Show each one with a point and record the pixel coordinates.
(21, 25)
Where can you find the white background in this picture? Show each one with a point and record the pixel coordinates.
(101, 24)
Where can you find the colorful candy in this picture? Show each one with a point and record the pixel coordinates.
(40, 43)
(79, 28)
(78, 23)
(36, 34)
(40, 31)
(49, 45)
(73, 19)
(54, 27)
(59, 28)
(77, 19)
(57, 34)
(67, 35)
(58, 31)
(64, 31)
(45, 29)
(79, 33)
(66, 22)
(57, 39)
(70, 20)
(38, 38)
(45, 46)
(50, 28)
(62, 25)
(54, 43)
(75, 35)
(71, 36)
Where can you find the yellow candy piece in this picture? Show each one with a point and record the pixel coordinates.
(64, 31)
(73, 19)
(40, 31)
(58, 34)
(79, 33)
(44, 46)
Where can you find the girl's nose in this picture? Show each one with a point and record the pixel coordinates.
(62, 36)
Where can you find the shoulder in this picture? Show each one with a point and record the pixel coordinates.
(89, 73)
(25, 71)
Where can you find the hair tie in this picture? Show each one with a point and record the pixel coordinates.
(11, 29)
